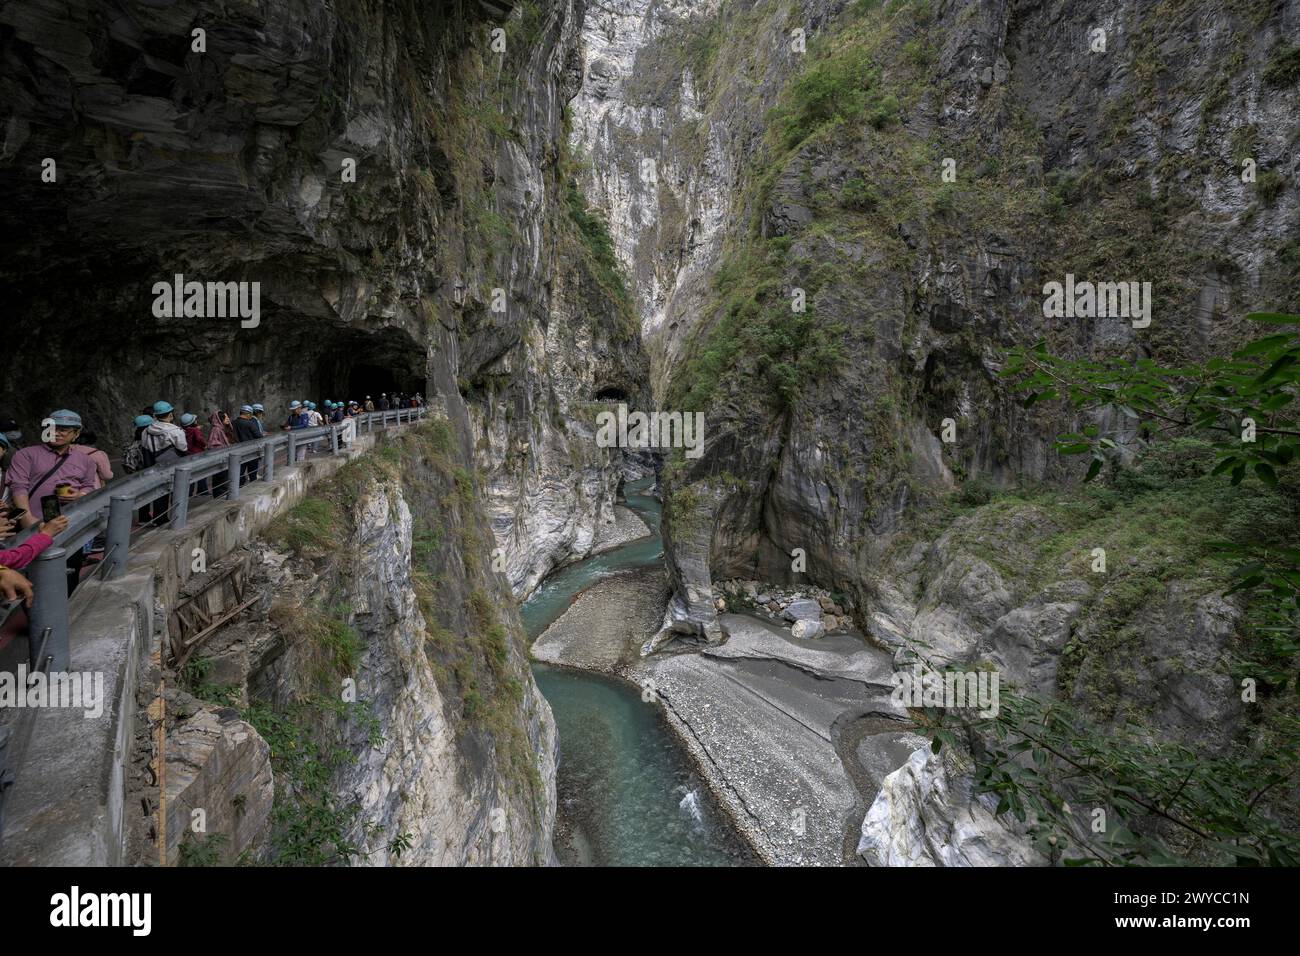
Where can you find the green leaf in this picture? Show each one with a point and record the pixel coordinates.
(1266, 474)
(1266, 344)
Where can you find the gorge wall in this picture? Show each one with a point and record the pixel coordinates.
(395, 177)
(374, 705)
(822, 171)
(760, 156)
(458, 261)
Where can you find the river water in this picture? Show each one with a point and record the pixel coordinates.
(629, 794)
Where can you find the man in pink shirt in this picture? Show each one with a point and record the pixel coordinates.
(37, 470)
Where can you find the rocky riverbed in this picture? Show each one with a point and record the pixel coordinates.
(794, 736)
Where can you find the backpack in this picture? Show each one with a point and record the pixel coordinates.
(135, 457)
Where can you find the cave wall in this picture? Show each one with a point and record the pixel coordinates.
(229, 165)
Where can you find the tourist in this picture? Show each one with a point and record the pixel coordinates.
(163, 440)
(27, 552)
(370, 405)
(195, 444)
(103, 467)
(5, 448)
(247, 428)
(51, 468)
(221, 434)
(259, 413)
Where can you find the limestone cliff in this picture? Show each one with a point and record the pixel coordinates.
(391, 174)
(388, 713)
(853, 211)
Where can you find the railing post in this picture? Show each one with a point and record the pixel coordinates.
(117, 539)
(180, 496)
(232, 476)
(292, 449)
(268, 461)
(334, 440)
(50, 610)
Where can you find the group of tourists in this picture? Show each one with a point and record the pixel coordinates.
(36, 480)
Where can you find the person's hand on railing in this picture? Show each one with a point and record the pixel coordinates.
(14, 585)
(55, 526)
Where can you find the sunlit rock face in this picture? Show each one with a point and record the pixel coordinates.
(1064, 160)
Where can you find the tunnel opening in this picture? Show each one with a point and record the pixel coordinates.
(371, 381)
(611, 393)
(374, 365)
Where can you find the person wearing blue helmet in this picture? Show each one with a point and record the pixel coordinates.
(50, 468)
(164, 440)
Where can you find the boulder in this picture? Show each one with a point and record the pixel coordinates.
(926, 815)
(803, 610)
(807, 629)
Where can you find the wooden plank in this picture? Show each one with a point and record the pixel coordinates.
(187, 647)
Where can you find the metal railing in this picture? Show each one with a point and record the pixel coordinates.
(111, 510)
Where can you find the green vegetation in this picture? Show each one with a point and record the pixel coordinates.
(1283, 67)
(202, 851)
(194, 677)
(1216, 497)
(839, 88)
(311, 527)
(1269, 185)
(595, 238)
(309, 823)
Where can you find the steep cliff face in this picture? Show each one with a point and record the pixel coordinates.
(857, 208)
(391, 174)
(824, 425)
(394, 178)
(389, 714)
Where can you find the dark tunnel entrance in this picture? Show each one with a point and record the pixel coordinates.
(373, 365)
(375, 380)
